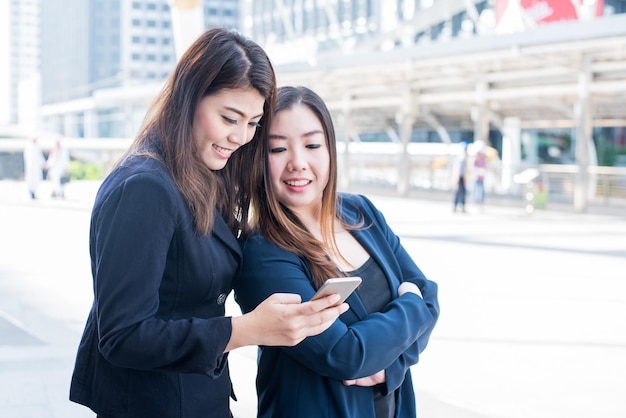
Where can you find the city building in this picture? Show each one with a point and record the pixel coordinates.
(101, 59)
(19, 61)
(543, 82)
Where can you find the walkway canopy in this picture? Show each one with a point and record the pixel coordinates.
(557, 75)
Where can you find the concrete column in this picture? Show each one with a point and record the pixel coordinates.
(582, 113)
(187, 23)
(131, 122)
(343, 126)
(480, 115)
(406, 118)
(90, 124)
(511, 151)
(69, 125)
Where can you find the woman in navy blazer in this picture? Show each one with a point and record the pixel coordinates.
(307, 233)
(163, 249)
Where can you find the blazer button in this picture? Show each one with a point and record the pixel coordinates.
(221, 298)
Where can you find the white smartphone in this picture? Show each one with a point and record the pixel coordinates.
(342, 285)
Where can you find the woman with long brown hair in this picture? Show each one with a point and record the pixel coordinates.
(163, 247)
(306, 233)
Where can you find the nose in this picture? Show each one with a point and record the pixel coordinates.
(297, 162)
(242, 135)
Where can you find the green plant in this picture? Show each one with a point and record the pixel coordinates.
(79, 170)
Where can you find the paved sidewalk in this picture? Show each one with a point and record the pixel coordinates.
(532, 323)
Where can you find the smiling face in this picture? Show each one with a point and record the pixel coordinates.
(299, 160)
(225, 121)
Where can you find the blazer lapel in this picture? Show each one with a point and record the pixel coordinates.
(221, 232)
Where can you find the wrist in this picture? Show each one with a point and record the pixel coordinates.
(241, 333)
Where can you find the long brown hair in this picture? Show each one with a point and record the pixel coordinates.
(282, 226)
(219, 59)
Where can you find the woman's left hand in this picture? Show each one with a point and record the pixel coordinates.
(372, 380)
(406, 287)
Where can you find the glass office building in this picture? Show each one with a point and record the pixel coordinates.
(93, 51)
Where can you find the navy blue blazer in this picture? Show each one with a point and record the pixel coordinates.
(154, 341)
(306, 380)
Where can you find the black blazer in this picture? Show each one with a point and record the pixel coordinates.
(154, 340)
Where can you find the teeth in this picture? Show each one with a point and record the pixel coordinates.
(223, 150)
(297, 183)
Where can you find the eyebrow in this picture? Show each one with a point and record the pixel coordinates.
(240, 113)
(306, 134)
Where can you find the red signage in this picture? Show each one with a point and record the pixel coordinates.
(546, 11)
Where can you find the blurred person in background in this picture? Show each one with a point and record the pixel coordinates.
(479, 171)
(34, 165)
(460, 175)
(58, 163)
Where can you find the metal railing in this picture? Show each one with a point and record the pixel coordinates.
(553, 184)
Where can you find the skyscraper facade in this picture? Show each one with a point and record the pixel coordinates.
(19, 71)
(95, 53)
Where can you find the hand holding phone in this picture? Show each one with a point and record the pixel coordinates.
(342, 285)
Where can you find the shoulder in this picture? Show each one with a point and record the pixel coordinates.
(350, 204)
(257, 245)
(350, 201)
(138, 170)
(140, 179)
(258, 251)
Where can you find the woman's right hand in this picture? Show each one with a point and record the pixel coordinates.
(282, 320)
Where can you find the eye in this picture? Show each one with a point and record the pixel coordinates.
(229, 120)
(313, 146)
(277, 150)
(257, 125)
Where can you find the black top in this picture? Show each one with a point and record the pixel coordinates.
(375, 293)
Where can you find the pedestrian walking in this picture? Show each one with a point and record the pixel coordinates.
(34, 165)
(460, 170)
(57, 164)
(479, 170)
